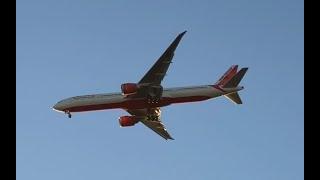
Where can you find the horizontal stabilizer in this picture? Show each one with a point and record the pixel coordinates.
(234, 97)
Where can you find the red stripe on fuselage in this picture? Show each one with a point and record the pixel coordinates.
(136, 104)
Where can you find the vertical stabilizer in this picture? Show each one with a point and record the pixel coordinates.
(235, 80)
(227, 75)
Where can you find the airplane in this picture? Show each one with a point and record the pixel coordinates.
(143, 100)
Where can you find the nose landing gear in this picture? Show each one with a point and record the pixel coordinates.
(69, 114)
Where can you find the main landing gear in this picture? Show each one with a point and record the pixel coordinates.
(153, 114)
(153, 100)
(69, 114)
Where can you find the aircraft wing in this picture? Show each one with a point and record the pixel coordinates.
(158, 127)
(152, 120)
(157, 72)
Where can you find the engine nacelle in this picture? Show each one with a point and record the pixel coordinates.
(126, 121)
(129, 88)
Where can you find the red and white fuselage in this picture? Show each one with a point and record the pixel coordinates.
(143, 100)
(119, 100)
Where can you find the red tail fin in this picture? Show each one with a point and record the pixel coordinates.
(227, 75)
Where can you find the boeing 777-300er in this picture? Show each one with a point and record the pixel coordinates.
(144, 99)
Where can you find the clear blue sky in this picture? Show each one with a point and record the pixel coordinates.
(76, 47)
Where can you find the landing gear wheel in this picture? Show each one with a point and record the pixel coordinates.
(153, 100)
(69, 114)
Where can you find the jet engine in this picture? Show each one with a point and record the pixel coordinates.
(129, 88)
(126, 121)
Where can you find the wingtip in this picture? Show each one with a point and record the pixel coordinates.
(245, 69)
(181, 35)
(170, 138)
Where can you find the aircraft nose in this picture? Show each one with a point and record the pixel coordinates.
(57, 107)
